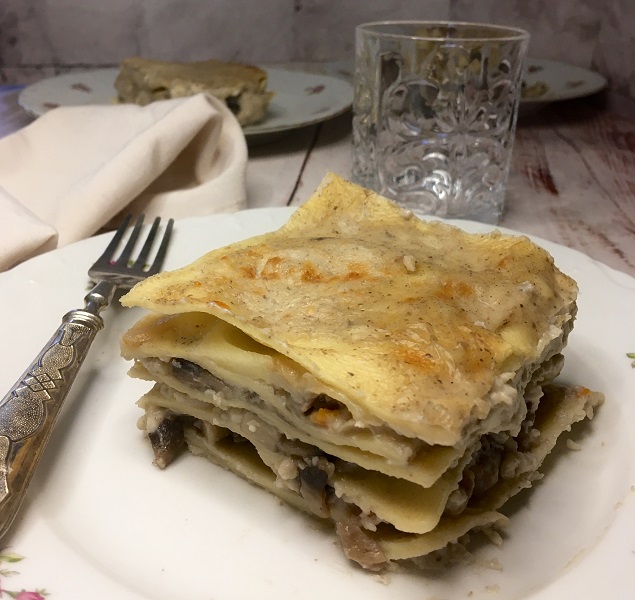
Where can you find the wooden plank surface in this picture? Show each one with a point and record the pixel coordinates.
(331, 152)
(573, 181)
(274, 168)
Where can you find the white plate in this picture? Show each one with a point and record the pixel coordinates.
(101, 522)
(562, 81)
(300, 99)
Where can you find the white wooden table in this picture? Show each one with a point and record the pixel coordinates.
(572, 179)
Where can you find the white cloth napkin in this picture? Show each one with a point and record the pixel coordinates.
(72, 171)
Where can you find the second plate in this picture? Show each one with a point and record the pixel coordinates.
(300, 99)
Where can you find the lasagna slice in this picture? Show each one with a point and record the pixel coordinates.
(243, 88)
(391, 375)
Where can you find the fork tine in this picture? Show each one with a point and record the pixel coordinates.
(114, 242)
(147, 246)
(125, 272)
(129, 247)
(163, 248)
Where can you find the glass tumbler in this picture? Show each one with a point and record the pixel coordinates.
(434, 114)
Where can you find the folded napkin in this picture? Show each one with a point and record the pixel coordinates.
(76, 169)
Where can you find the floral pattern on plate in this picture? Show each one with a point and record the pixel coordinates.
(7, 559)
(300, 99)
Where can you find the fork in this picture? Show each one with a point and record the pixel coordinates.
(29, 410)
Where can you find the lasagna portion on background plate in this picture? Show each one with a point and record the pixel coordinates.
(391, 375)
(243, 88)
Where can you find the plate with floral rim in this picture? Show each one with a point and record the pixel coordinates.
(100, 521)
(300, 98)
(552, 81)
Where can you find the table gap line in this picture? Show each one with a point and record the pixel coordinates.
(307, 155)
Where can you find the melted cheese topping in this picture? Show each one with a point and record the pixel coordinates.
(411, 324)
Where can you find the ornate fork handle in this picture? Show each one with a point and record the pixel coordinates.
(29, 410)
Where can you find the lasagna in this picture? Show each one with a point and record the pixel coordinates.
(390, 375)
(243, 88)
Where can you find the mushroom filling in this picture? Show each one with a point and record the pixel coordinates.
(500, 455)
(320, 410)
(308, 471)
